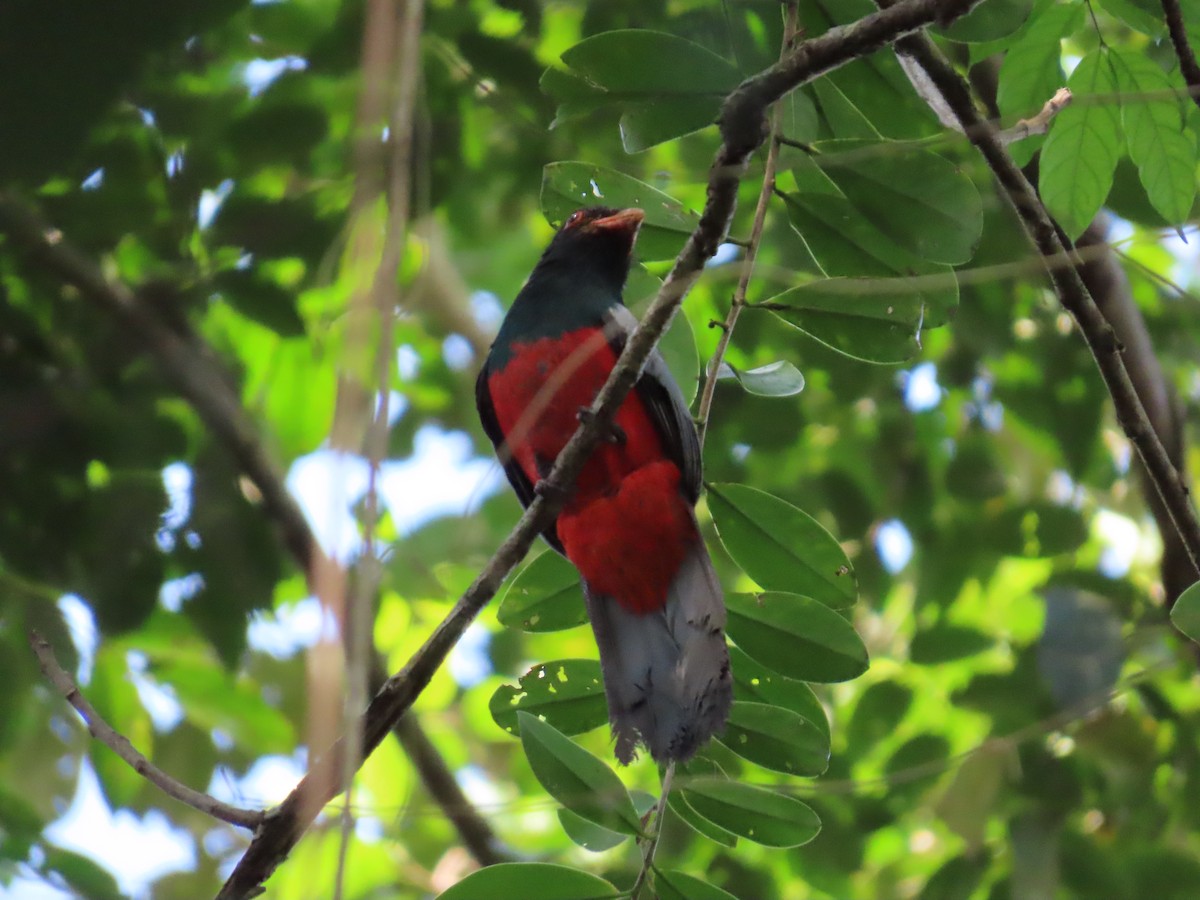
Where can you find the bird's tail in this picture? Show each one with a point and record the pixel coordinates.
(666, 673)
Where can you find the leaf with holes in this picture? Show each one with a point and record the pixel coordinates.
(567, 693)
(545, 596)
(781, 547)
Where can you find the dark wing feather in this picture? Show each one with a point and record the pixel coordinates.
(516, 476)
(665, 402)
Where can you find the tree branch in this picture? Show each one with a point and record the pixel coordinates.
(1101, 339)
(120, 745)
(1187, 59)
(742, 126)
(183, 359)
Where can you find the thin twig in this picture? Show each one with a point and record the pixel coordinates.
(743, 128)
(1073, 294)
(1183, 50)
(713, 371)
(120, 745)
(652, 840)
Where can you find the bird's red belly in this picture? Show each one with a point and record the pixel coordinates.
(626, 526)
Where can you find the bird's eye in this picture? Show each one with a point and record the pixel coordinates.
(575, 219)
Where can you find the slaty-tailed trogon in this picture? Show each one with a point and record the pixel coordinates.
(628, 523)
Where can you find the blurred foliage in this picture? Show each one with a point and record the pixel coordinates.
(949, 495)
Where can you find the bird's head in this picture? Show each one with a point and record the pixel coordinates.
(597, 239)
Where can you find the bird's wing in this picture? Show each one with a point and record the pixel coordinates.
(664, 401)
(516, 476)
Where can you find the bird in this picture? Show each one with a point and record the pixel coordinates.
(628, 523)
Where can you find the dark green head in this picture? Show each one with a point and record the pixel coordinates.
(579, 277)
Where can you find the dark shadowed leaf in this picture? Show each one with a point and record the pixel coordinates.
(945, 642)
(755, 813)
(665, 85)
(577, 779)
(796, 636)
(780, 546)
(529, 881)
(545, 596)
(567, 186)
(567, 693)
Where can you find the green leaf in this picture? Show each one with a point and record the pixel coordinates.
(671, 884)
(86, 877)
(876, 320)
(591, 836)
(990, 21)
(755, 813)
(921, 201)
(665, 85)
(1159, 145)
(530, 881)
(588, 835)
(577, 779)
(1084, 144)
(1145, 16)
(945, 642)
(796, 636)
(1032, 70)
(545, 596)
(1185, 614)
(781, 547)
(567, 693)
(878, 711)
(919, 757)
(261, 300)
(776, 738)
(755, 682)
(567, 186)
(777, 379)
(698, 823)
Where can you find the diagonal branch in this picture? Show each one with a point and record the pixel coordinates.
(1101, 339)
(743, 128)
(120, 745)
(1187, 58)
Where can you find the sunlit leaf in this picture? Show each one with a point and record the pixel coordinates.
(567, 693)
(1161, 148)
(777, 379)
(545, 596)
(1081, 152)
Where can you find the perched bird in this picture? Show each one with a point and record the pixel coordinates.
(628, 523)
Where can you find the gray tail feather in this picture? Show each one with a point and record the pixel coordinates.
(666, 674)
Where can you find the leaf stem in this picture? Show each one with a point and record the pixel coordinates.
(760, 215)
(652, 841)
